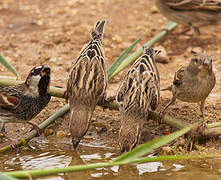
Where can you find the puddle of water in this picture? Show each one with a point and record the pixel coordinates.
(50, 155)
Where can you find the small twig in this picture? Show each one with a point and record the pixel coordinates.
(43, 125)
(211, 130)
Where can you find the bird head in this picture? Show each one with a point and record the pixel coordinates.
(75, 142)
(38, 80)
(201, 64)
(130, 132)
(80, 117)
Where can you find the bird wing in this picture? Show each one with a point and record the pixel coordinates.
(195, 4)
(140, 85)
(178, 77)
(88, 76)
(9, 97)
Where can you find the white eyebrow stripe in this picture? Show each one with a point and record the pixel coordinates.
(38, 67)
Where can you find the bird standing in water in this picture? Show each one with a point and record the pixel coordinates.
(86, 84)
(138, 93)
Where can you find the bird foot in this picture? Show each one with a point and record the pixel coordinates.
(37, 128)
(201, 128)
(160, 118)
(65, 96)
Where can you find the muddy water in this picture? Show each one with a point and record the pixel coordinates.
(52, 153)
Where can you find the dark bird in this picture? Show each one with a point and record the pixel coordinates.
(86, 84)
(192, 83)
(21, 103)
(192, 13)
(138, 93)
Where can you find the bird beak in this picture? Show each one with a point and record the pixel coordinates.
(75, 142)
(45, 70)
(207, 64)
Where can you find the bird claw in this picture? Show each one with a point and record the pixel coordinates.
(37, 128)
(13, 145)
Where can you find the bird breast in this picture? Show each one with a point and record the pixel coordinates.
(195, 90)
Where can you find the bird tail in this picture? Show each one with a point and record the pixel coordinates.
(98, 29)
(167, 89)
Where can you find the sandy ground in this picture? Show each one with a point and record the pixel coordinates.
(53, 32)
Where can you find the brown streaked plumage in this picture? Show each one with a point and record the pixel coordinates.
(21, 103)
(86, 84)
(193, 13)
(192, 83)
(138, 93)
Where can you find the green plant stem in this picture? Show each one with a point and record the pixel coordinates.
(154, 144)
(213, 129)
(43, 125)
(11, 81)
(120, 59)
(47, 172)
(8, 65)
(170, 26)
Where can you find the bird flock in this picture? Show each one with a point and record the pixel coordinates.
(139, 91)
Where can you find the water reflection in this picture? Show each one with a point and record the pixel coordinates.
(149, 167)
(52, 154)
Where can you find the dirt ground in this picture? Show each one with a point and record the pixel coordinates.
(53, 32)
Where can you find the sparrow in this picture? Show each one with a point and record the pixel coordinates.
(86, 84)
(138, 93)
(192, 83)
(21, 103)
(192, 13)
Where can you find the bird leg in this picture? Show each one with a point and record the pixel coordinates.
(196, 31)
(163, 112)
(65, 96)
(36, 127)
(202, 108)
(202, 126)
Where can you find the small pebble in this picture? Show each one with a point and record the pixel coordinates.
(117, 38)
(181, 141)
(60, 134)
(53, 59)
(204, 165)
(196, 50)
(48, 132)
(167, 150)
(154, 10)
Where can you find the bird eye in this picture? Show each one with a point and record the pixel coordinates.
(36, 71)
(195, 60)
